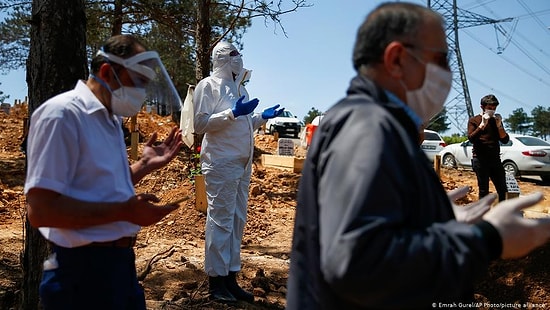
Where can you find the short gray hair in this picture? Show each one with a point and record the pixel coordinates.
(389, 22)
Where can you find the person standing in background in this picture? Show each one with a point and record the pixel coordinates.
(486, 132)
(223, 112)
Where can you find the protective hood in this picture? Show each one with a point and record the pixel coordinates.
(221, 60)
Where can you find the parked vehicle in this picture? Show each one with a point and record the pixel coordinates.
(310, 129)
(286, 123)
(432, 144)
(522, 155)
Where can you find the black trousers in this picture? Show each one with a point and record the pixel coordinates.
(486, 169)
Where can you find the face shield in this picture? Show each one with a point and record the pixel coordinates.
(147, 71)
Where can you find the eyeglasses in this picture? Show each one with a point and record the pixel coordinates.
(234, 53)
(444, 56)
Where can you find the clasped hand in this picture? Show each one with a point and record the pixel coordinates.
(498, 118)
(244, 108)
(485, 119)
(272, 112)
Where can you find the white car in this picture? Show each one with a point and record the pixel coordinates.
(522, 155)
(432, 144)
(285, 124)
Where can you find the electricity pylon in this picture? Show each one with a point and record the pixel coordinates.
(459, 108)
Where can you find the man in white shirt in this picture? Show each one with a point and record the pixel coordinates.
(79, 188)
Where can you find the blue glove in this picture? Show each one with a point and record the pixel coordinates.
(272, 112)
(244, 108)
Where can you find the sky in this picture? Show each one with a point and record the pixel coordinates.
(310, 66)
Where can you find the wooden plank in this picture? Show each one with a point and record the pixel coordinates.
(437, 165)
(200, 193)
(134, 140)
(289, 163)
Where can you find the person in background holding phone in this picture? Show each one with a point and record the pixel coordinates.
(486, 132)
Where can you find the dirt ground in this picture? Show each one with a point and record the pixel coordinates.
(170, 253)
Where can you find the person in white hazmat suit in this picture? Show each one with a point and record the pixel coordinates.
(223, 112)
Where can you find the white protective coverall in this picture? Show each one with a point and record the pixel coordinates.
(226, 161)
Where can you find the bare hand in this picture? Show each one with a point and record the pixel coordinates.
(498, 118)
(519, 235)
(484, 120)
(156, 156)
(144, 213)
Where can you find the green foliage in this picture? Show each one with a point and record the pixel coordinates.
(2, 96)
(518, 121)
(14, 34)
(169, 27)
(541, 122)
(454, 138)
(439, 122)
(195, 168)
(313, 112)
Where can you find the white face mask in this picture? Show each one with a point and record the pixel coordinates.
(127, 101)
(429, 99)
(236, 63)
(490, 112)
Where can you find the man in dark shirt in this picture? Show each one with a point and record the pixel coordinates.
(486, 132)
(374, 227)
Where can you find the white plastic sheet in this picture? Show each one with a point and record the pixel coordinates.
(187, 117)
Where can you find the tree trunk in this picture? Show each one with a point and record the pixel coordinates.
(57, 59)
(117, 18)
(35, 250)
(203, 40)
(202, 68)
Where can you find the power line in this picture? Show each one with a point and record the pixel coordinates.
(525, 52)
(539, 22)
(500, 93)
(518, 45)
(529, 14)
(543, 12)
(538, 49)
(539, 79)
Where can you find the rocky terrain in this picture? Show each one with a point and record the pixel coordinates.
(170, 253)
